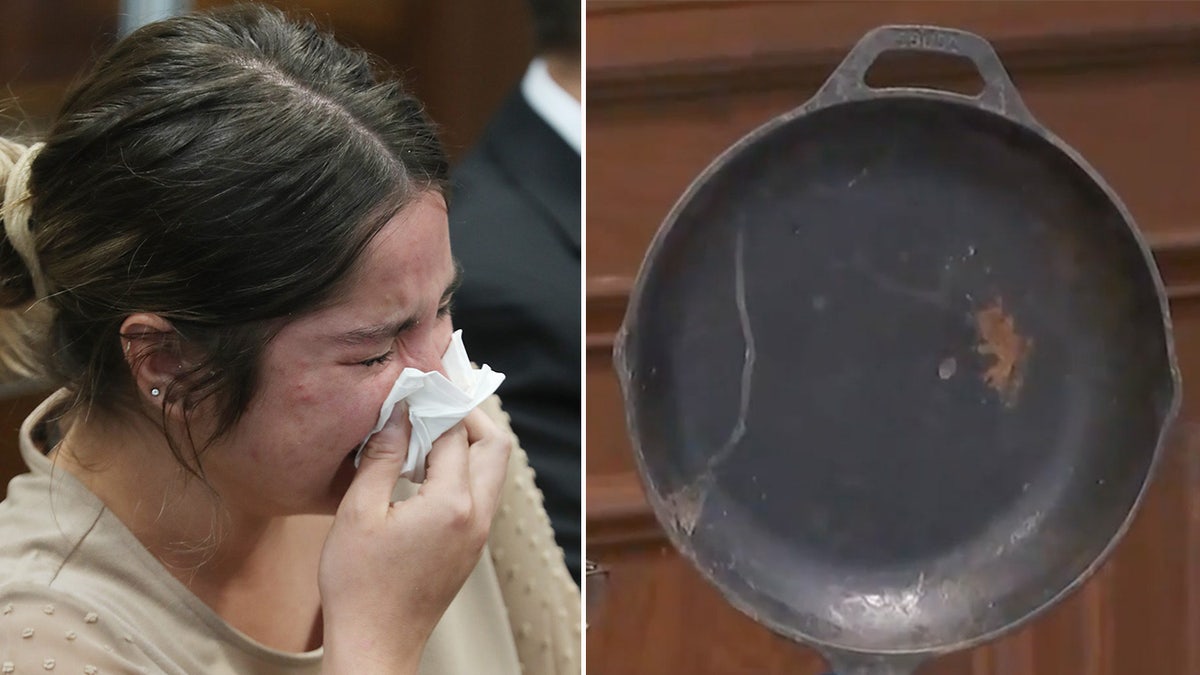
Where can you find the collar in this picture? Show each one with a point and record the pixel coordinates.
(553, 104)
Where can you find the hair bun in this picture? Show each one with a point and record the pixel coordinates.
(22, 330)
(20, 274)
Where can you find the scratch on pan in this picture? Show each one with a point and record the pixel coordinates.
(886, 608)
(854, 180)
(1009, 350)
(739, 427)
(686, 504)
(936, 298)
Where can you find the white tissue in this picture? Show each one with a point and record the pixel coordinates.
(435, 403)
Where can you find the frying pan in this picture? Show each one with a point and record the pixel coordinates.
(898, 366)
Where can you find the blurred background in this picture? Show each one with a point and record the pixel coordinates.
(460, 57)
(670, 84)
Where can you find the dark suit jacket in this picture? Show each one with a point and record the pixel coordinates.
(515, 228)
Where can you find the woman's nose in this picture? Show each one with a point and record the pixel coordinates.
(429, 359)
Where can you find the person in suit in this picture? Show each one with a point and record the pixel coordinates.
(515, 228)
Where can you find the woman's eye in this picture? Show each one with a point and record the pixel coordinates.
(445, 309)
(378, 360)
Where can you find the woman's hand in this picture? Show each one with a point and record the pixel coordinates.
(389, 571)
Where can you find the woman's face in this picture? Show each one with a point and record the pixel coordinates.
(325, 375)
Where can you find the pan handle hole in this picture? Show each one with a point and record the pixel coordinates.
(923, 69)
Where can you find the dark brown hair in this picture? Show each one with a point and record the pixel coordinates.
(224, 171)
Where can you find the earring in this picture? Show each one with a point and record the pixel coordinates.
(154, 391)
(127, 343)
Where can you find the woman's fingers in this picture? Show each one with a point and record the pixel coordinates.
(406, 561)
(447, 470)
(381, 464)
(465, 475)
(490, 449)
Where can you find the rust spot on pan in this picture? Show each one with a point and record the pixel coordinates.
(1009, 350)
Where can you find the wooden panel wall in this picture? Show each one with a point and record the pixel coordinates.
(43, 47)
(672, 83)
(460, 57)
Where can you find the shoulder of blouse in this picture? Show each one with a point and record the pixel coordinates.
(543, 602)
(46, 630)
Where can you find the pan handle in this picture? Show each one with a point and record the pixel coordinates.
(848, 663)
(999, 95)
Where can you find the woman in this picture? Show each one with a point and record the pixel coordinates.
(229, 245)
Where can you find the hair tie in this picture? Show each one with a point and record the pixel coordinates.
(16, 210)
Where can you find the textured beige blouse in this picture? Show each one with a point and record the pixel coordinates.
(79, 593)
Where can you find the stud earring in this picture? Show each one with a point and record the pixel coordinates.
(154, 391)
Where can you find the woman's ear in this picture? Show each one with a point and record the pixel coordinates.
(153, 352)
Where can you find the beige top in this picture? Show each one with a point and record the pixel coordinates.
(80, 594)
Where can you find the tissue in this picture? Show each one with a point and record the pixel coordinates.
(435, 402)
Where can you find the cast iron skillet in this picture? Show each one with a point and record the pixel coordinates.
(898, 366)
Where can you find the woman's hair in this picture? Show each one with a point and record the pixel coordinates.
(224, 171)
